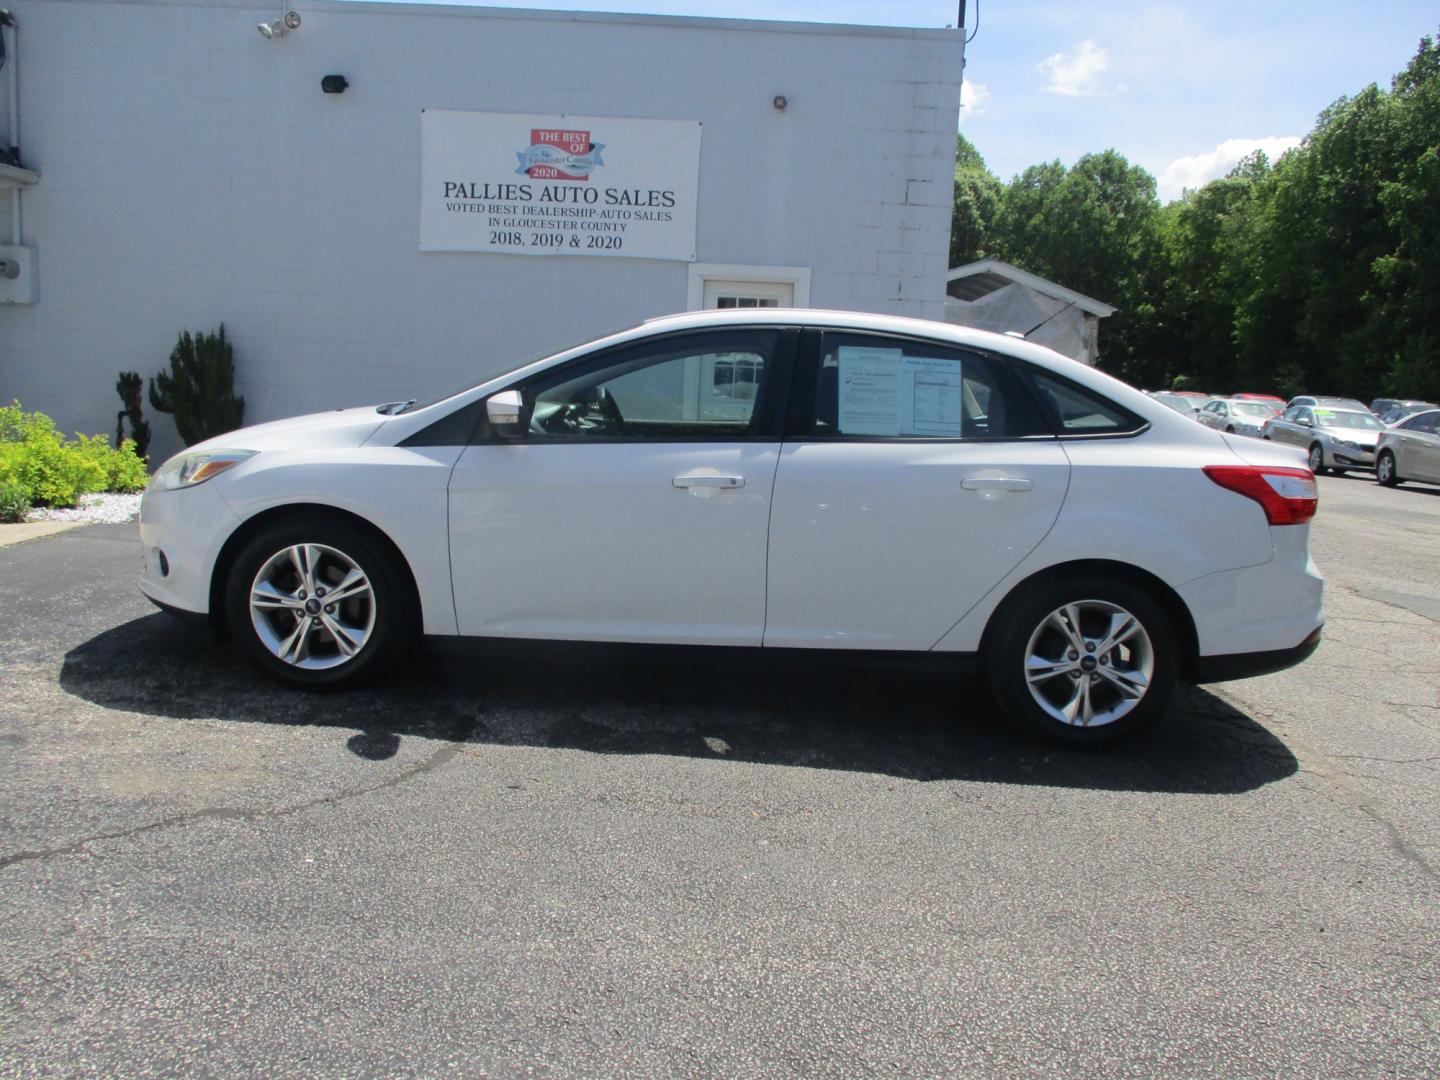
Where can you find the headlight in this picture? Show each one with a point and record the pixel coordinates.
(187, 470)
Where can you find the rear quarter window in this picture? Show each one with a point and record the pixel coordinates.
(1075, 411)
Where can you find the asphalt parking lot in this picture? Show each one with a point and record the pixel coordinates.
(590, 862)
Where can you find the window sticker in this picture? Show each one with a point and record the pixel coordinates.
(869, 384)
(934, 399)
(884, 392)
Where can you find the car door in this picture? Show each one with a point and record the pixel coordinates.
(1418, 447)
(914, 476)
(1289, 429)
(634, 507)
(1213, 415)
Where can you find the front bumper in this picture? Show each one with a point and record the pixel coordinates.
(182, 532)
(1347, 457)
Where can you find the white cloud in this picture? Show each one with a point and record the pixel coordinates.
(1199, 169)
(1077, 73)
(973, 97)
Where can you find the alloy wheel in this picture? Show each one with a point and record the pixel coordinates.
(312, 606)
(1089, 663)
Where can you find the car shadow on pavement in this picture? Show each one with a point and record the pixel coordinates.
(783, 709)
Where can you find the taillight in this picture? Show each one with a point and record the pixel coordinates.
(1288, 496)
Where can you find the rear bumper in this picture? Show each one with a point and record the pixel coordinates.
(1227, 666)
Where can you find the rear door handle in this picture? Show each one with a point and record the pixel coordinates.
(709, 480)
(996, 483)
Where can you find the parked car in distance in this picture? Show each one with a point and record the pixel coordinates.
(1410, 450)
(1334, 438)
(881, 485)
(1237, 417)
(1184, 404)
(1392, 410)
(1279, 401)
(1326, 402)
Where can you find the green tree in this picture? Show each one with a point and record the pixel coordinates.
(977, 200)
(1095, 228)
(199, 388)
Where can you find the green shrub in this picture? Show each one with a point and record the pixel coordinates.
(46, 470)
(123, 469)
(14, 503)
(199, 388)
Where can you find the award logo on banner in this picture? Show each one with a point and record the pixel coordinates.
(548, 185)
(559, 155)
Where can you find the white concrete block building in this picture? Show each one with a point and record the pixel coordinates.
(181, 170)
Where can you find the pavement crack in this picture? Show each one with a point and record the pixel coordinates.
(229, 813)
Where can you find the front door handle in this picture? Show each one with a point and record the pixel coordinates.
(996, 483)
(709, 480)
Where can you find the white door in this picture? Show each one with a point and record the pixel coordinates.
(636, 507)
(748, 294)
(923, 477)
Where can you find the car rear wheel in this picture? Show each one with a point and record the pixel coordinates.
(1385, 469)
(1317, 459)
(318, 601)
(1083, 660)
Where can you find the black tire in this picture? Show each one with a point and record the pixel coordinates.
(1386, 474)
(1229, 431)
(1021, 627)
(1317, 460)
(387, 611)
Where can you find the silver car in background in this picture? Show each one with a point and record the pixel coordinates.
(1410, 450)
(1236, 417)
(1185, 405)
(1337, 439)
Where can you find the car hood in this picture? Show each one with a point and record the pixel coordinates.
(316, 431)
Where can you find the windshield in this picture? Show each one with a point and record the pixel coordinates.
(412, 405)
(1252, 408)
(1179, 404)
(1329, 418)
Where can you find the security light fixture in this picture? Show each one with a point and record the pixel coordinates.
(334, 84)
(780, 102)
(281, 26)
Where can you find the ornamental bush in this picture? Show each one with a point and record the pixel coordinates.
(39, 467)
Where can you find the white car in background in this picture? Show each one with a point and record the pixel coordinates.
(763, 478)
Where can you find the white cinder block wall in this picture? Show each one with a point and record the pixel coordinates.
(192, 172)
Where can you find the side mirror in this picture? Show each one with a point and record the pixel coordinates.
(1303, 421)
(506, 413)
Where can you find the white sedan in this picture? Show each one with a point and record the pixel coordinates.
(763, 478)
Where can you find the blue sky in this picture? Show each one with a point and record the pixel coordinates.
(1183, 89)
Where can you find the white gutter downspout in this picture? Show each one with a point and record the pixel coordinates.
(12, 65)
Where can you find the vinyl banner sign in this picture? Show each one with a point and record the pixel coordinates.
(558, 185)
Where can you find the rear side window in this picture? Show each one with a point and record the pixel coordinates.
(1076, 411)
(870, 386)
(1427, 423)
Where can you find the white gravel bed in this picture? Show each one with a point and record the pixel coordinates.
(93, 509)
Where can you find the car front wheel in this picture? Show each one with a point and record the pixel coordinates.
(1084, 660)
(1317, 459)
(319, 602)
(1385, 469)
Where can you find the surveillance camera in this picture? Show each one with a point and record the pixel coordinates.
(292, 20)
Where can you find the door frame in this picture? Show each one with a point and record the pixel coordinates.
(797, 277)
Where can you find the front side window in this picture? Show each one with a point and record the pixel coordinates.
(877, 387)
(695, 386)
(1427, 423)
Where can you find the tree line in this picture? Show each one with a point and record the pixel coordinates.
(1319, 272)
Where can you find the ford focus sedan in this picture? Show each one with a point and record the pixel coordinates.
(763, 479)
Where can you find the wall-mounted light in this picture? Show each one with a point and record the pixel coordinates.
(780, 102)
(334, 84)
(281, 26)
